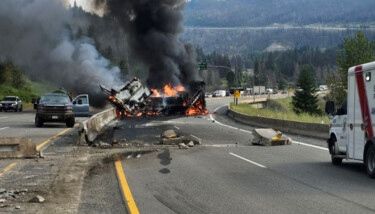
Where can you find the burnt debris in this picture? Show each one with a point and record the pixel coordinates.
(136, 100)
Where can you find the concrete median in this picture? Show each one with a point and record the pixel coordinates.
(314, 130)
(93, 127)
(17, 148)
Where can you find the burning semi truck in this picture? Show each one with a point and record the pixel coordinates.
(137, 100)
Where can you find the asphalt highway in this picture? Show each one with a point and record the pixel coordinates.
(21, 125)
(226, 174)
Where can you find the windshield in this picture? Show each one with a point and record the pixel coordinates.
(10, 99)
(54, 99)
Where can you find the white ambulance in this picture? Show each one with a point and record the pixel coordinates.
(352, 127)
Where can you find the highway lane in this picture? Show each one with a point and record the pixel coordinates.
(228, 175)
(21, 124)
(211, 180)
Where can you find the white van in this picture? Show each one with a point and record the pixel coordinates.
(219, 93)
(352, 127)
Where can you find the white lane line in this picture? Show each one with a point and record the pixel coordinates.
(310, 145)
(177, 128)
(294, 142)
(1, 129)
(247, 160)
(228, 126)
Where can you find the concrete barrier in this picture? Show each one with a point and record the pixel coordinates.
(93, 127)
(320, 131)
(17, 148)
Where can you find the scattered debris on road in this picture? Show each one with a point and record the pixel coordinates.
(37, 199)
(183, 141)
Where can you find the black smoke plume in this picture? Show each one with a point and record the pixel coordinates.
(35, 35)
(153, 28)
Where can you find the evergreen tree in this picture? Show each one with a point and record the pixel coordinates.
(231, 78)
(305, 100)
(356, 51)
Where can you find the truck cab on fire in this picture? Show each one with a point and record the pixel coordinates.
(352, 127)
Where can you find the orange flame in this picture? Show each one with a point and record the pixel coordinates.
(197, 109)
(155, 93)
(168, 91)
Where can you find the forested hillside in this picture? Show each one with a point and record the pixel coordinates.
(230, 13)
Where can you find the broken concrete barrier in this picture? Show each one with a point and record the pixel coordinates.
(93, 127)
(17, 148)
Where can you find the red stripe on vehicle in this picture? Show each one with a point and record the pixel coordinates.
(366, 116)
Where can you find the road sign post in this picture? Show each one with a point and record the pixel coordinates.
(237, 95)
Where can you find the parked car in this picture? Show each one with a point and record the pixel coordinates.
(220, 93)
(55, 107)
(208, 95)
(11, 103)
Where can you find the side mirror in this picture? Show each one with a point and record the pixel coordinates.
(36, 101)
(330, 108)
(74, 102)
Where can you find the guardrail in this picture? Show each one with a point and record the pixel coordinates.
(93, 127)
(320, 131)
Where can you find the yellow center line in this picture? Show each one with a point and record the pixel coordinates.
(125, 189)
(40, 146)
(8, 168)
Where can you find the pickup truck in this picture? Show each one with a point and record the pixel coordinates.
(55, 107)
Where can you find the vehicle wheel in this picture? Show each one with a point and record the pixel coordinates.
(21, 109)
(70, 122)
(336, 161)
(334, 151)
(38, 121)
(370, 161)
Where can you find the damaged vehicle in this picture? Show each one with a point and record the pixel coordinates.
(136, 100)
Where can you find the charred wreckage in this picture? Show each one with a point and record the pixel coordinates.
(137, 100)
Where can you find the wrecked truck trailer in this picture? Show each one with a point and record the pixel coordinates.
(135, 100)
(129, 99)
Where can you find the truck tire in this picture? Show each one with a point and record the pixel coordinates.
(38, 121)
(336, 161)
(370, 161)
(70, 122)
(334, 151)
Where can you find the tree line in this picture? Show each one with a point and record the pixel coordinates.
(272, 69)
(11, 75)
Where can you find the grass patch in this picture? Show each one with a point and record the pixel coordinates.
(281, 109)
(29, 91)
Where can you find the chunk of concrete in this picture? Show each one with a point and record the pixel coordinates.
(17, 148)
(169, 134)
(182, 146)
(37, 199)
(269, 137)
